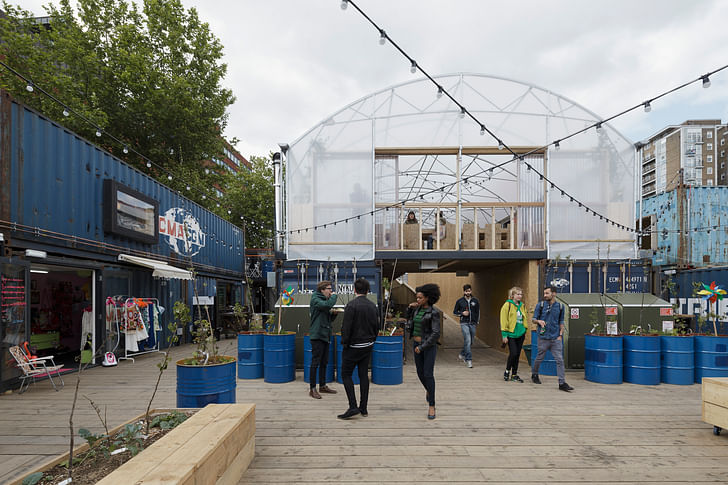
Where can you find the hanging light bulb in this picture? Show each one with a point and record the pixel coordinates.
(557, 146)
(482, 129)
(188, 187)
(648, 106)
(440, 91)
(125, 149)
(204, 197)
(344, 4)
(462, 113)
(599, 127)
(706, 81)
(218, 204)
(501, 146)
(149, 164)
(413, 67)
(98, 132)
(229, 211)
(66, 113)
(382, 37)
(29, 87)
(169, 177)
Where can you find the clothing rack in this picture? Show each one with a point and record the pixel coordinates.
(138, 320)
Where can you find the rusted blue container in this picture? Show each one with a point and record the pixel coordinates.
(250, 355)
(711, 356)
(200, 385)
(387, 360)
(279, 358)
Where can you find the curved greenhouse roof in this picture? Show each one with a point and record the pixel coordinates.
(405, 146)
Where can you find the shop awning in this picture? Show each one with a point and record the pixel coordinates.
(161, 269)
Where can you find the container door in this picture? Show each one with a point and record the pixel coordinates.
(14, 275)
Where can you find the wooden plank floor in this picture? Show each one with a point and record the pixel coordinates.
(487, 430)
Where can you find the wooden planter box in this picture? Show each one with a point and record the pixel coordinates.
(214, 446)
(715, 402)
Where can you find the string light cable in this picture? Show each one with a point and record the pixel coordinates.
(598, 125)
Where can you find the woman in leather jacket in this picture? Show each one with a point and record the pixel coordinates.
(424, 321)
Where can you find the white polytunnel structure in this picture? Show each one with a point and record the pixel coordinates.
(406, 150)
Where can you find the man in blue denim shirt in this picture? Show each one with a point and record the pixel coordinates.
(549, 316)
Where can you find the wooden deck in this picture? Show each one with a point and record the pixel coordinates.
(486, 430)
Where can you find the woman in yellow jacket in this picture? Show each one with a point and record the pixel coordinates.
(513, 318)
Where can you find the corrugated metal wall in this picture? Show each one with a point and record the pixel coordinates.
(55, 179)
(706, 245)
(597, 276)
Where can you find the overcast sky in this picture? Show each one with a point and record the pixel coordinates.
(292, 63)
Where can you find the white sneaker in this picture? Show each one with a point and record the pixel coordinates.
(470, 364)
(461, 358)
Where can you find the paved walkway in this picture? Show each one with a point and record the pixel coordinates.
(486, 430)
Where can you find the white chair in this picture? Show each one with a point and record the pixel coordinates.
(38, 367)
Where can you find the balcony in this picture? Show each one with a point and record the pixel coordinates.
(500, 226)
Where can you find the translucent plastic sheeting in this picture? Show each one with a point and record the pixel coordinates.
(332, 172)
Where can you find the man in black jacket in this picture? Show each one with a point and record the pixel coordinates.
(468, 309)
(358, 333)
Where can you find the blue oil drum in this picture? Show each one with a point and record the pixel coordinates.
(711, 356)
(250, 355)
(603, 359)
(279, 357)
(641, 354)
(548, 364)
(387, 360)
(677, 359)
(339, 352)
(308, 355)
(200, 385)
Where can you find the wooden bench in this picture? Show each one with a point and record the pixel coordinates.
(215, 446)
(715, 402)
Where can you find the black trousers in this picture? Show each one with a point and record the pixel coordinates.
(514, 353)
(350, 358)
(319, 361)
(425, 363)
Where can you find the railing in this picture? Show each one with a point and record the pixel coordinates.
(467, 226)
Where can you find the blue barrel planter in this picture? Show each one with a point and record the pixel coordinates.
(677, 357)
(200, 385)
(641, 357)
(387, 360)
(250, 355)
(308, 355)
(279, 357)
(711, 356)
(548, 364)
(603, 359)
(339, 351)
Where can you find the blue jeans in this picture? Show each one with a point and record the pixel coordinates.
(468, 330)
(425, 363)
(557, 350)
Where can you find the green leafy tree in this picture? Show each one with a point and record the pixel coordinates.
(251, 195)
(149, 74)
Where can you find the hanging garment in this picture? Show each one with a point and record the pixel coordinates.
(87, 327)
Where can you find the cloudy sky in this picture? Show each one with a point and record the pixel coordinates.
(292, 63)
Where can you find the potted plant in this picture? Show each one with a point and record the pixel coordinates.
(205, 377)
(250, 343)
(279, 351)
(603, 349)
(711, 349)
(387, 355)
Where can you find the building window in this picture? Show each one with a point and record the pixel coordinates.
(722, 176)
(722, 153)
(709, 134)
(722, 141)
(710, 181)
(722, 164)
(709, 170)
(218, 192)
(709, 159)
(710, 146)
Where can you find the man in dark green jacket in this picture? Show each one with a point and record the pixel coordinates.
(322, 315)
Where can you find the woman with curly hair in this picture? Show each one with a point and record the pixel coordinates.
(513, 317)
(424, 322)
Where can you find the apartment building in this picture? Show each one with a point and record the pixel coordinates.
(698, 147)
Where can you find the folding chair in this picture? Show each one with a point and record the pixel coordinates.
(36, 368)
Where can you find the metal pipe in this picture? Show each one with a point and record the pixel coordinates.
(278, 158)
